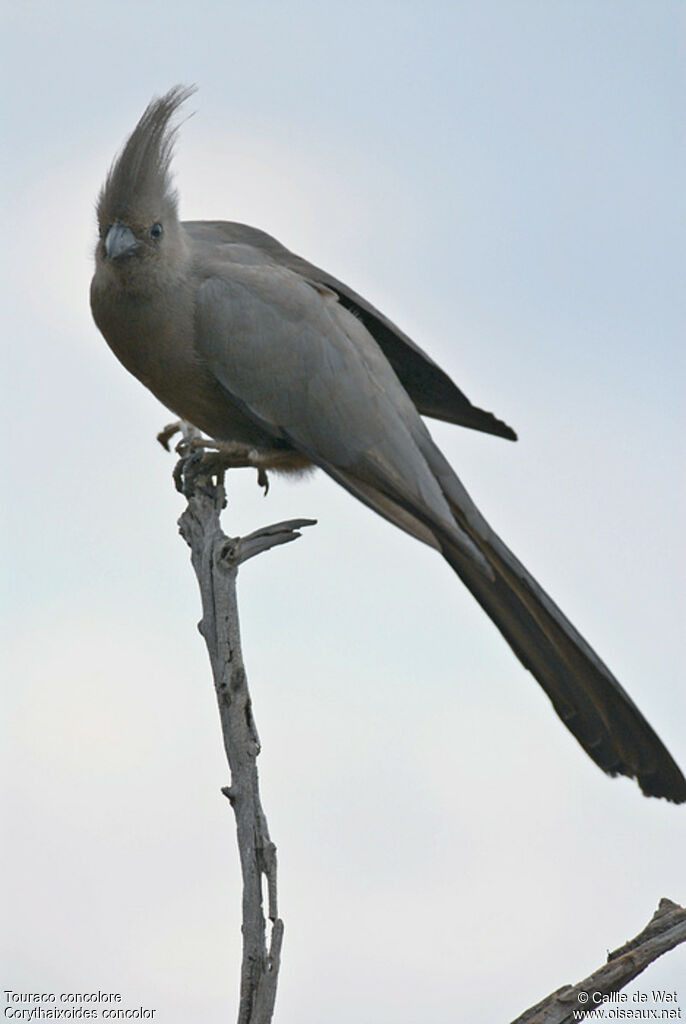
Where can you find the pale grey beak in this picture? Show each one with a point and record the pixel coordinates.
(120, 242)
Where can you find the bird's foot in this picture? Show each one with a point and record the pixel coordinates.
(183, 427)
(205, 456)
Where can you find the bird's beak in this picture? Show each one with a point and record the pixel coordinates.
(120, 241)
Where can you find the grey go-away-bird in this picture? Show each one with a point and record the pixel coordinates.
(254, 345)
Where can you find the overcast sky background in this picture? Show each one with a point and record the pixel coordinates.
(506, 181)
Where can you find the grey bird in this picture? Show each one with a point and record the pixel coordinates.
(252, 344)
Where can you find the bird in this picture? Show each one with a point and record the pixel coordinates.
(255, 346)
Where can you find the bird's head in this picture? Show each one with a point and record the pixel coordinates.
(137, 206)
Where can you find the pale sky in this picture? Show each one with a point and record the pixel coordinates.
(505, 181)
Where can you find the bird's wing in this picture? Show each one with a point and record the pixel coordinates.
(430, 388)
(307, 371)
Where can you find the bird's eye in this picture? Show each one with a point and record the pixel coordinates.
(156, 231)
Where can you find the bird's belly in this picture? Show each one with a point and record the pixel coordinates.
(210, 409)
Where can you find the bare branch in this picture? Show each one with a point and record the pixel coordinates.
(665, 930)
(243, 548)
(215, 558)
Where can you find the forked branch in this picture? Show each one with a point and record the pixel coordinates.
(215, 558)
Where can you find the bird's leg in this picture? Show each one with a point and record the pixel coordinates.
(206, 456)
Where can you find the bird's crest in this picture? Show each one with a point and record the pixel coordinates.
(139, 181)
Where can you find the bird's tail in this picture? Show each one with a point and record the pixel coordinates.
(583, 691)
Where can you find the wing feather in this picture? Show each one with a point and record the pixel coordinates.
(430, 388)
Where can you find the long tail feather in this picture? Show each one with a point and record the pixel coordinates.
(583, 691)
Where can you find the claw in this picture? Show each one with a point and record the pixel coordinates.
(183, 427)
(165, 435)
(263, 479)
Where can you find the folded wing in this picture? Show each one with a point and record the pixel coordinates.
(430, 388)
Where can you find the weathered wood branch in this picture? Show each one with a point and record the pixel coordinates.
(665, 930)
(215, 559)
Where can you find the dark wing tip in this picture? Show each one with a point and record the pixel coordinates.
(479, 419)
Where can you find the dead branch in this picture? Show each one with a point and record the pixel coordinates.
(215, 559)
(665, 930)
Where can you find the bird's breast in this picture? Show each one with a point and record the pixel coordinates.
(155, 341)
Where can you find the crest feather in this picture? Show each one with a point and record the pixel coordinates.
(139, 181)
